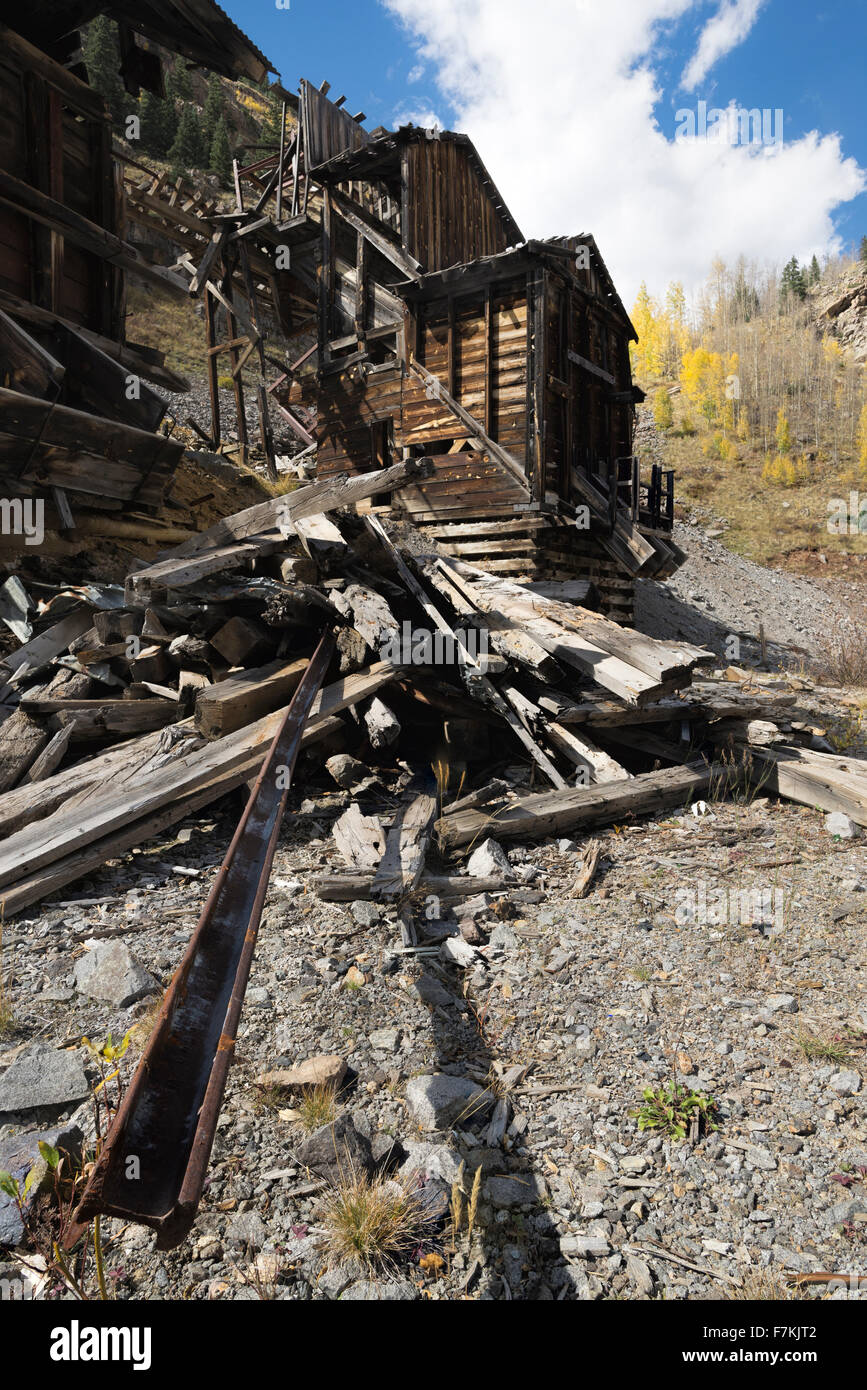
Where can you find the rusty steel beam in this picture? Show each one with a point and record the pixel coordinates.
(151, 1169)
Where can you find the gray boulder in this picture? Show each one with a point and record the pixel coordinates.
(337, 1151)
(438, 1102)
(111, 974)
(41, 1077)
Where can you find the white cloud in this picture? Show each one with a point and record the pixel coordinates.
(729, 26)
(560, 98)
(418, 115)
(416, 73)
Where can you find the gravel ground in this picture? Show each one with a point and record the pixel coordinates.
(570, 1010)
(717, 594)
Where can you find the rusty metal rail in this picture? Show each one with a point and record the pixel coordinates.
(151, 1169)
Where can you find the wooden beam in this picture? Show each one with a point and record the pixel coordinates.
(359, 223)
(406, 846)
(476, 682)
(548, 813)
(23, 198)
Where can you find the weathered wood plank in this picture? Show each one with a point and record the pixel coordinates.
(536, 816)
(402, 864)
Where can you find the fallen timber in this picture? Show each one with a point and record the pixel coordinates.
(151, 1168)
(550, 812)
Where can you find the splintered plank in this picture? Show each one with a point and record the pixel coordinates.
(549, 812)
(476, 682)
(180, 566)
(21, 742)
(569, 641)
(661, 661)
(360, 838)
(813, 779)
(510, 641)
(403, 862)
(47, 645)
(348, 888)
(98, 718)
(33, 886)
(246, 695)
(70, 829)
(51, 756)
(598, 765)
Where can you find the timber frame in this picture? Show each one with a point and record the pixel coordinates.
(439, 330)
(78, 422)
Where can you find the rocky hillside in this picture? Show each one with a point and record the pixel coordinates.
(840, 305)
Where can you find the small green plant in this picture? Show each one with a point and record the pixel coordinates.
(108, 1056)
(49, 1246)
(676, 1111)
(846, 730)
(833, 1049)
(641, 973)
(48, 1236)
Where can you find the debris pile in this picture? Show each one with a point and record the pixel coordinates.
(128, 709)
(455, 708)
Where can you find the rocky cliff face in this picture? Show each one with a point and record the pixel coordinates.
(841, 310)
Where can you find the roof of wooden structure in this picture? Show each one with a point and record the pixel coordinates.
(559, 251)
(198, 30)
(380, 153)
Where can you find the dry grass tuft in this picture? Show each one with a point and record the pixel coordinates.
(842, 659)
(375, 1220)
(316, 1106)
(761, 1286)
(832, 1049)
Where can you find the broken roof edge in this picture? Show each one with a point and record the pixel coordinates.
(352, 163)
(219, 35)
(563, 248)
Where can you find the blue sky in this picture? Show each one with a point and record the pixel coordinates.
(573, 105)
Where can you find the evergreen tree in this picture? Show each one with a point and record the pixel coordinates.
(102, 60)
(792, 286)
(186, 152)
(271, 127)
(220, 158)
(178, 84)
(745, 300)
(864, 249)
(213, 110)
(814, 274)
(159, 124)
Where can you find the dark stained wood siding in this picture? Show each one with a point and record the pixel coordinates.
(485, 369)
(585, 427)
(51, 143)
(449, 217)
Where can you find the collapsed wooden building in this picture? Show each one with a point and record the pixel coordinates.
(428, 325)
(377, 283)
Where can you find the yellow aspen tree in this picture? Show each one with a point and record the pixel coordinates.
(647, 353)
(862, 440)
(783, 434)
(663, 415)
